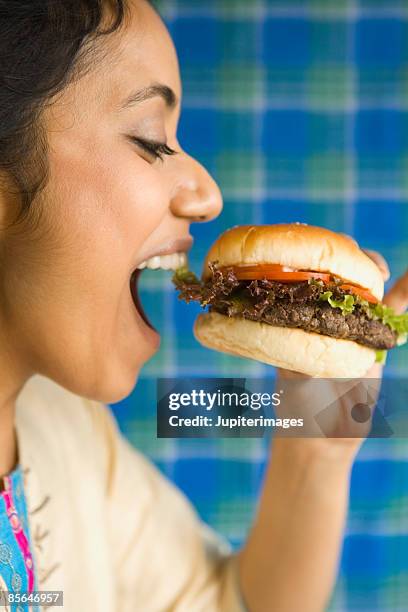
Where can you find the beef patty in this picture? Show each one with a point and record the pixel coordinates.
(288, 305)
(322, 319)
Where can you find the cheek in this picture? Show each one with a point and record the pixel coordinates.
(106, 207)
(99, 210)
(111, 202)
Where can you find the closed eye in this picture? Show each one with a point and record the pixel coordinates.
(156, 149)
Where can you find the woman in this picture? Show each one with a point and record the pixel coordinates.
(93, 184)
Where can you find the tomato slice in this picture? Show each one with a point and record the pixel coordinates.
(276, 272)
(364, 293)
(284, 274)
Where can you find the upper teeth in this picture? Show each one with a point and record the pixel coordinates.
(165, 262)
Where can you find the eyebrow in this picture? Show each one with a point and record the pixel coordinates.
(157, 89)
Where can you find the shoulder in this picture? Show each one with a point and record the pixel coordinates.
(60, 430)
(66, 433)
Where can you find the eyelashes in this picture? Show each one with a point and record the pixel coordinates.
(156, 149)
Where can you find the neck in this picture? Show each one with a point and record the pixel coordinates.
(8, 443)
(13, 379)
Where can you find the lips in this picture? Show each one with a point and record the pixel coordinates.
(172, 247)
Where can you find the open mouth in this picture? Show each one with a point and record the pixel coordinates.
(134, 281)
(169, 262)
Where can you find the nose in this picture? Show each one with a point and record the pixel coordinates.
(196, 195)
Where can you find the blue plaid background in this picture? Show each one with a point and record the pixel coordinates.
(300, 111)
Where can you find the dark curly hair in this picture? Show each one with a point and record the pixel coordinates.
(43, 45)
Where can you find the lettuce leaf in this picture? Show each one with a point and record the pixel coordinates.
(379, 312)
(346, 305)
(184, 275)
(238, 303)
(380, 357)
(398, 323)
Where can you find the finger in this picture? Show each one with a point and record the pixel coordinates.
(397, 296)
(290, 374)
(375, 371)
(380, 261)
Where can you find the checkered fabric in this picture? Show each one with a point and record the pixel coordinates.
(300, 111)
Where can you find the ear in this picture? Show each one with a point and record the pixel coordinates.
(10, 202)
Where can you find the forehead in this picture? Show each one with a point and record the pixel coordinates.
(142, 53)
(138, 55)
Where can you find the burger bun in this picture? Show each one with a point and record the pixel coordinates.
(289, 348)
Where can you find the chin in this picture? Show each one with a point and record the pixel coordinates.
(112, 383)
(115, 392)
(119, 381)
(118, 375)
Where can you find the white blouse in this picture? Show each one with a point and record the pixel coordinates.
(107, 528)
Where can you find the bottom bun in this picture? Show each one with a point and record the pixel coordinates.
(292, 349)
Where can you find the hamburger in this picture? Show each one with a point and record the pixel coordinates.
(294, 296)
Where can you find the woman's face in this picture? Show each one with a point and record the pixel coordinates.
(109, 205)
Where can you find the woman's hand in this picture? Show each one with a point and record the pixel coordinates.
(337, 413)
(290, 559)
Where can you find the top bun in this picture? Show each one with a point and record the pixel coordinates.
(300, 246)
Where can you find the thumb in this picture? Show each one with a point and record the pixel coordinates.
(397, 296)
